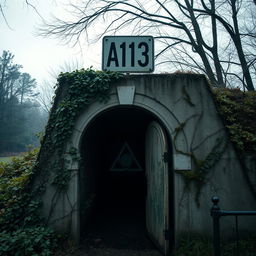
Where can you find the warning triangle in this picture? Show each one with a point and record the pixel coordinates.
(126, 160)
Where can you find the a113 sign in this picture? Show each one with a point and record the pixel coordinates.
(128, 54)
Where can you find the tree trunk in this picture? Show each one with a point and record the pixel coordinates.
(237, 41)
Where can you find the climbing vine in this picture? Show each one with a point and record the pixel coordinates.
(74, 92)
(24, 180)
(237, 109)
(201, 167)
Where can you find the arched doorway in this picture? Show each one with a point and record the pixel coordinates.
(115, 205)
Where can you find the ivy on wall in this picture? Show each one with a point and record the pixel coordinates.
(24, 180)
(78, 89)
(74, 92)
(238, 110)
(22, 231)
(201, 167)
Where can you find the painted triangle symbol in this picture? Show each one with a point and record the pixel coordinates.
(126, 160)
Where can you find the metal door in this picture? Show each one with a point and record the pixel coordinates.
(157, 203)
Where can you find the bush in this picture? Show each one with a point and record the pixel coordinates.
(238, 111)
(21, 228)
(18, 208)
(29, 241)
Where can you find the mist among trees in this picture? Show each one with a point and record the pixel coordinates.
(20, 115)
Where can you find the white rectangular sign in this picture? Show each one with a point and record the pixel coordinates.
(128, 54)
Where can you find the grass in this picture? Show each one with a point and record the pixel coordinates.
(197, 245)
(6, 159)
(194, 245)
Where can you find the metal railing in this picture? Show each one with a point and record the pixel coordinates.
(216, 214)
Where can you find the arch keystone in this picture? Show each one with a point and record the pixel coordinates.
(126, 94)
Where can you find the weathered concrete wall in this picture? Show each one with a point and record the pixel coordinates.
(189, 101)
(183, 104)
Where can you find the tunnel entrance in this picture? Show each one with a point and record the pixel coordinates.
(113, 183)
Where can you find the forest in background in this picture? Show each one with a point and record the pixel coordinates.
(21, 117)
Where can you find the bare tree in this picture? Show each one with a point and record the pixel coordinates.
(45, 96)
(47, 87)
(2, 7)
(4, 4)
(249, 30)
(233, 29)
(201, 34)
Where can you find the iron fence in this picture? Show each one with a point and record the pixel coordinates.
(216, 214)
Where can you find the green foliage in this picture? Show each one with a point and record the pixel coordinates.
(21, 230)
(84, 87)
(247, 247)
(14, 192)
(197, 245)
(238, 111)
(28, 241)
(194, 245)
(202, 167)
(76, 90)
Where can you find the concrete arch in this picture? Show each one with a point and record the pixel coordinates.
(168, 120)
(160, 111)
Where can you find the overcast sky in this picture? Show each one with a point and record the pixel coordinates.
(40, 55)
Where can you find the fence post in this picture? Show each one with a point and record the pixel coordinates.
(215, 213)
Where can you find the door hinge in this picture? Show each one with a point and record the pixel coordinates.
(166, 234)
(167, 157)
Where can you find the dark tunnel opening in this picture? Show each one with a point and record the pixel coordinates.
(112, 179)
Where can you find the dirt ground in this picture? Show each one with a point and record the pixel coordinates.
(112, 244)
(112, 236)
(115, 252)
(99, 248)
(117, 224)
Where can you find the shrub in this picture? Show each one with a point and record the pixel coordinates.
(28, 241)
(238, 111)
(21, 227)
(18, 208)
